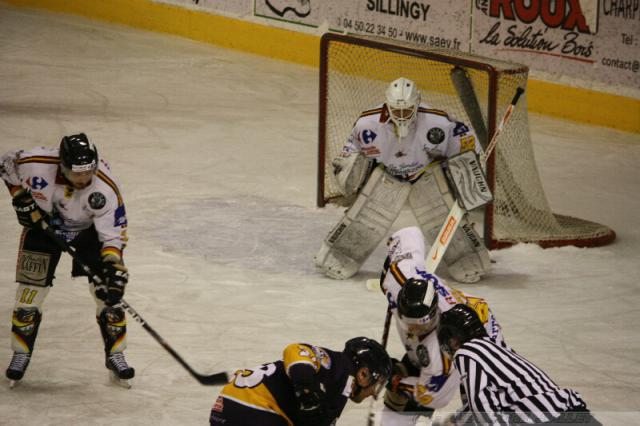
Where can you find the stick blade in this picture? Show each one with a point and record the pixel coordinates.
(214, 379)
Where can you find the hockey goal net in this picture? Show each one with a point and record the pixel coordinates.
(354, 73)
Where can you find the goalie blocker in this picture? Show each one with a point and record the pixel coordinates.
(377, 206)
(467, 180)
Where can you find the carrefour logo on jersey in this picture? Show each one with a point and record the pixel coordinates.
(368, 136)
(37, 183)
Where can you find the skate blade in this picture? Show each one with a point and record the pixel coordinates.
(125, 383)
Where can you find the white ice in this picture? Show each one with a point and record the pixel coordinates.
(216, 153)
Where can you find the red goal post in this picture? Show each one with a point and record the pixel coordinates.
(354, 73)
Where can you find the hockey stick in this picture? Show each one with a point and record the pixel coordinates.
(385, 337)
(456, 213)
(210, 380)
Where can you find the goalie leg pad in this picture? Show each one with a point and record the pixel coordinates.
(364, 225)
(467, 258)
(430, 200)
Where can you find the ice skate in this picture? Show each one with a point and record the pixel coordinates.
(121, 372)
(17, 367)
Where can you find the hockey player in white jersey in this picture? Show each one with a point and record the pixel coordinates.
(404, 142)
(425, 379)
(75, 192)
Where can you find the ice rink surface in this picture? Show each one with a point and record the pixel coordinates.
(216, 154)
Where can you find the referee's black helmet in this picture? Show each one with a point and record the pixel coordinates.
(461, 323)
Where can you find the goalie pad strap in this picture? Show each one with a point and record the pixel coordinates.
(364, 225)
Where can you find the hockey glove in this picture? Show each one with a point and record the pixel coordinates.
(398, 372)
(394, 398)
(115, 276)
(26, 209)
(311, 400)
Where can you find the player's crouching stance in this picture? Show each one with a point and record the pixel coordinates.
(406, 143)
(309, 387)
(498, 385)
(424, 380)
(74, 191)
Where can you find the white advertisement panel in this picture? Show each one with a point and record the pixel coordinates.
(424, 22)
(304, 12)
(596, 40)
(434, 23)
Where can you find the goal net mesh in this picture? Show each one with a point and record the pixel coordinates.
(354, 74)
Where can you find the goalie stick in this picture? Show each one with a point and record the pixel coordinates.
(209, 380)
(441, 243)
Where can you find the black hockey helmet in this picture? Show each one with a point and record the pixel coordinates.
(77, 154)
(418, 303)
(461, 323)
(365, 352)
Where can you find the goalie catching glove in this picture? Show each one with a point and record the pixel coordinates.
(351, 172)
(116, 277)
(26, 208)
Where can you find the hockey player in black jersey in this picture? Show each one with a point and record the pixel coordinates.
(310, 386)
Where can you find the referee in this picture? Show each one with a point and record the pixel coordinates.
(498, 386)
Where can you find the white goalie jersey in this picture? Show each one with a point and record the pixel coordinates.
(438, 380)
(432, 137)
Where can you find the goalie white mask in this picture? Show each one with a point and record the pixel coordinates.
(403, 99)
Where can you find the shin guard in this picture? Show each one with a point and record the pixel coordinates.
(24, 329)
(113, 327)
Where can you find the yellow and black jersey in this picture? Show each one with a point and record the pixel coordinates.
(270, 387)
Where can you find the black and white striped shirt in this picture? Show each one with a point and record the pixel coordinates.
(502, 387)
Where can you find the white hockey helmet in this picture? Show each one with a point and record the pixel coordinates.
(403, 99)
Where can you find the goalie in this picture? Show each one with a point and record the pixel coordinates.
(398, 152)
